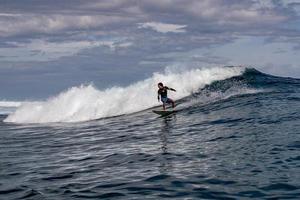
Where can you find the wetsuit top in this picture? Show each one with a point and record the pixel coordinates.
(163, 92)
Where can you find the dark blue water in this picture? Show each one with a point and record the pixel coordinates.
(246, 146)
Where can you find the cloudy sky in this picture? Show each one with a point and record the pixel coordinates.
(46, 46)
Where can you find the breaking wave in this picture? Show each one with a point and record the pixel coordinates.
(86, 102)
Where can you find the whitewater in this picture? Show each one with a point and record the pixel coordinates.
(86, 102)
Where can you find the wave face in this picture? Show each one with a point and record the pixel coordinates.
(85, 102)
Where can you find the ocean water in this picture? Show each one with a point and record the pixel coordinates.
(236, 135)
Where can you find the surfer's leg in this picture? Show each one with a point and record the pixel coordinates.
(172, 102)
(164, 101)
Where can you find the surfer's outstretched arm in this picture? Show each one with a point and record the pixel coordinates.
(168, 88)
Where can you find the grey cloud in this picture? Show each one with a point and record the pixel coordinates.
(209, 23)
(49, 24)
(93, 20)
(52, 16)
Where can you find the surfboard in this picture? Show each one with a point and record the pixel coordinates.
(164, 112)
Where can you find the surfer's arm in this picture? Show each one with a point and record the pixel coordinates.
(168, 88)
(158, 96)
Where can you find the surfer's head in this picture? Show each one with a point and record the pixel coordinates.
(160, 85)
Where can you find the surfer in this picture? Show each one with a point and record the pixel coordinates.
(163, 93)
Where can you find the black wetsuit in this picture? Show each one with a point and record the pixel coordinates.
(163, 92)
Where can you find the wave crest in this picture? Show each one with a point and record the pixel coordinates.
(85, 102)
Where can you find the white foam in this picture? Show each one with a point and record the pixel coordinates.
(85, 103)
(7, 107)
(10, 103)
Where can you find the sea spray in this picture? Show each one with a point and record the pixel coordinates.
(7, 107)
(86, 102)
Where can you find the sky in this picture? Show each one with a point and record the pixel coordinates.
(47, 46)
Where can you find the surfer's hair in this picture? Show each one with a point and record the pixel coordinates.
(160, 84)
